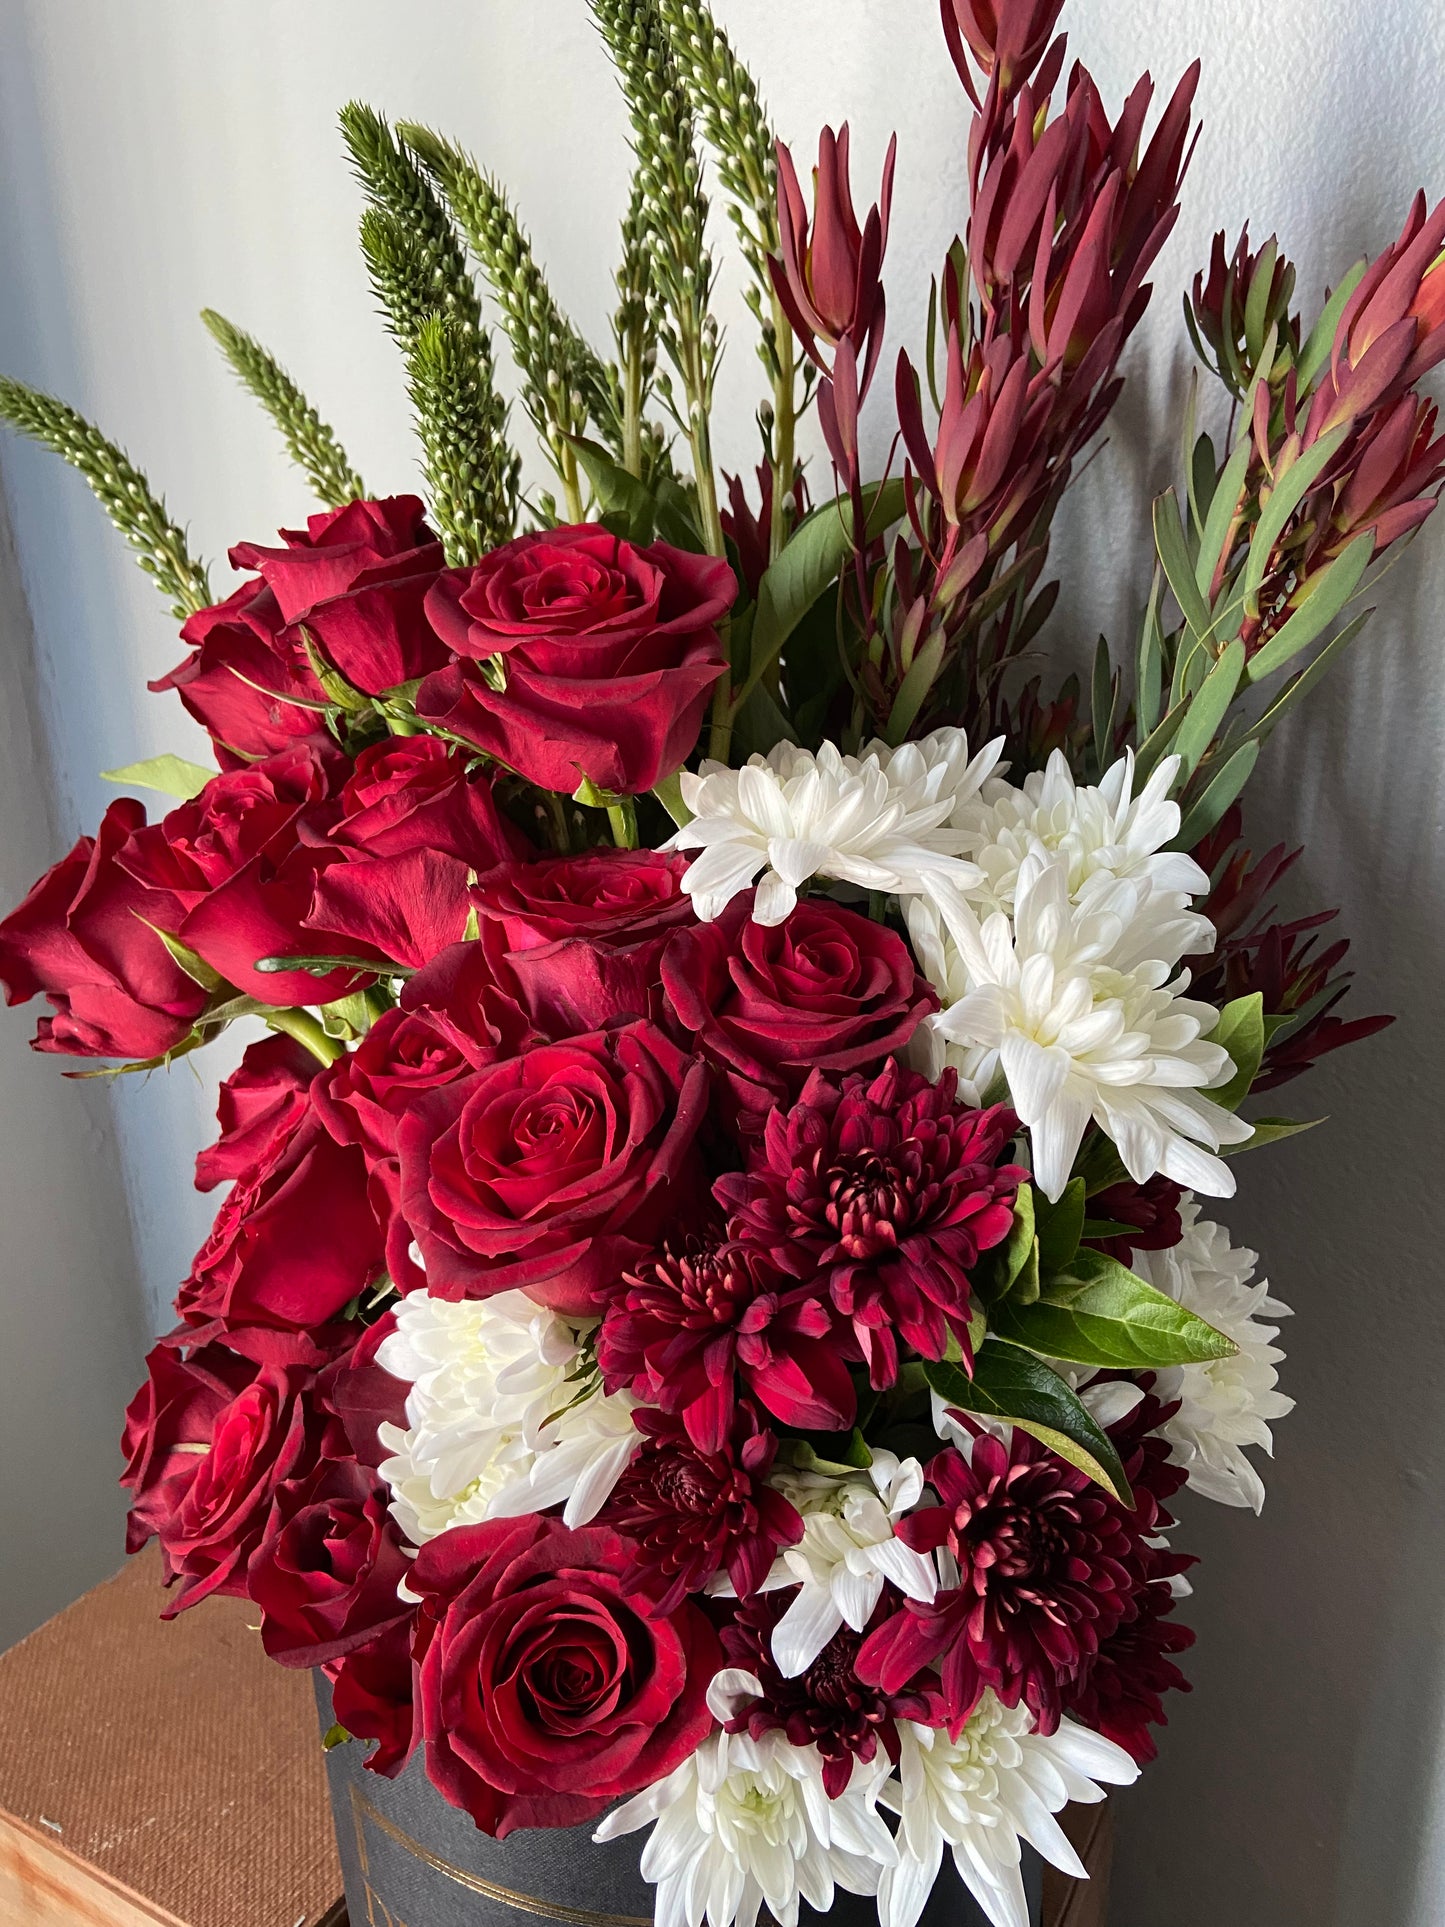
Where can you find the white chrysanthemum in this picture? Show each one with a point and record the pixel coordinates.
(1081, 1009)
(495, 1426)
(1100, 834)
(880, 821)
(847, 1551)
(998, 1783)
(1227, 1403)
(745, 1824)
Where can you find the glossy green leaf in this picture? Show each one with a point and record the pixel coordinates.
(1241, 1032)
(170, 775)
(1009, 1383)
(622, 500)
(1100, 1313)
(1269, 1130)
(1335, 586)
(669, 793)
(1060, 1227)
(1224, 787)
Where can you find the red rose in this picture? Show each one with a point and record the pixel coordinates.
(554, 1171)
(413, 793)
(607, 654)
(86, 937)
(241, 676)
(545, 1693)
(356, 581)
(361, 1395)
(580, 936)
(371, 1698)
(325, 1574)
(210, 1517)
(168, 1427)
(402, 908)
(293, 1243)
(240, 817)
(260, 1105)
(824, 990)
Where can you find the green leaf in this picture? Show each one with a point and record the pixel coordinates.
(855, 1456)
(1269, 1130)
(621, 498)
(676, 522)
(913, 690)
(1208, 810)
(1316, 351)
(1241, 1031)
(1019, 1247)
(669, 793)
(1331, 591)
(171, 775)
(1100, 1313)
(347, 1017)
(1285, 498)
(1223, 507)
(1149, 664)
(814, 557)
(1105, 696)
(1208, 708)
(1060, 1227)
(1305, 681)
(1203, 477)
(1009, 1383)
(333, 1737)
(1256, 302)
(1173, 547)
(195, 966)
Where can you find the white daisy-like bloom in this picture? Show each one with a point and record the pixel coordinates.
(881, 821)
(1101, 834)
(1226, 1404)
(998, 1783)
(495, 1426)
(848, 1550)
(1081, 1008)
(745, 1824)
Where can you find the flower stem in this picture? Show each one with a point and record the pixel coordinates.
(622, 815)
(307, 1030)
(784, 430)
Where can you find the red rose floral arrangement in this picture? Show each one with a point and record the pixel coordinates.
(714, 1309)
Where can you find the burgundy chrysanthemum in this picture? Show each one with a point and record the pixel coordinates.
(1121, 1691)
(1050, 1567)
(828, 1706)
(1149, 1211)
(692, 1514)
(889, 1189)
(690, 1322)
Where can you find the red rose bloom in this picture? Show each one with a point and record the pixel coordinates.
(168, 1427)
(546, 1693)
(86, 937)
(579, 938)
(687, 1324)
(241, 675)
(356, 581)
(326, 1572)
(260, 1105)
(825, 990)
(371, 1696)
(215, 1514)
(690, 1515)
(556, 1170)
(294, 1241)
(608, 654)
(360, 1395)
(414, 793)
(885, 1192)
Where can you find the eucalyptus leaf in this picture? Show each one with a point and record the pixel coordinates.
(1009, 1383)
(170, 775)
(1100, 1313)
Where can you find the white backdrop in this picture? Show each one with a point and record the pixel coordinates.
(158, 157)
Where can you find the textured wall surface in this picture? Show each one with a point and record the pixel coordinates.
(161, 156)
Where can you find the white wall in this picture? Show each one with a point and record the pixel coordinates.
(160, 156)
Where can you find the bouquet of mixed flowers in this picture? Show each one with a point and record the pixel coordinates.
(713, 1308)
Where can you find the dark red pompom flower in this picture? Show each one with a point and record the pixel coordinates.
(887, 1189)
(692, 1514)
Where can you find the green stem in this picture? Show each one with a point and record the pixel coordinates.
(632, 411)
(571, 490)
(622, 815)
(784, 429)
(307, 1030)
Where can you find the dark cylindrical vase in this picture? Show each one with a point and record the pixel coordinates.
(410, 1860)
